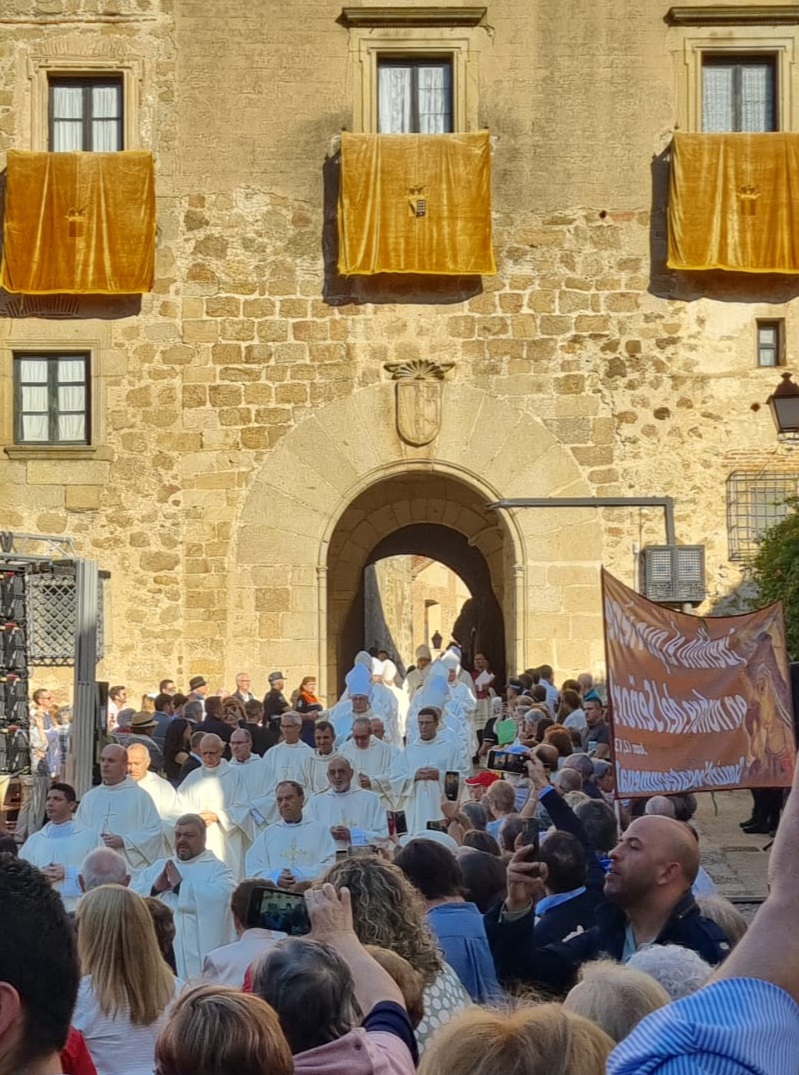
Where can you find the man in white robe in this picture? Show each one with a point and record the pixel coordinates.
(324, 737)
(417, 675)
(371, 760)
(214, 791)
(420, 773)
(289, 759)
(160, 791)
(356, 699)
(60, 847)
(123, 814)
(441, 691)
(249, 766)
(296, 848)
(197, 888)
(355, 817)
(383, 702)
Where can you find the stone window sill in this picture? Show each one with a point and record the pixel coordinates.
(52, 451)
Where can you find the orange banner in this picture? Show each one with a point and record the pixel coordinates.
(696, 704)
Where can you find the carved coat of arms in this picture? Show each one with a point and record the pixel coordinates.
(419, 390)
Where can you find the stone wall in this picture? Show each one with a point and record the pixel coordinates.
(600, 372)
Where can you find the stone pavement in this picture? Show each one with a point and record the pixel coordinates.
(737, 863)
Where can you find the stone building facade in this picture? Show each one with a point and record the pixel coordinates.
(245, 462)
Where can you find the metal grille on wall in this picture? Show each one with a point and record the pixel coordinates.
(756, 500)
(52, 603)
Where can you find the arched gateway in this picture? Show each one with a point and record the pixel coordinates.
(345, 488)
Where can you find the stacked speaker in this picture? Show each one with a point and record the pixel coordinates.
(14, 706)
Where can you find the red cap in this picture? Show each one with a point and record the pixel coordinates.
(482, 779)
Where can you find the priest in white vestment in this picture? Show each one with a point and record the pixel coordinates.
(354, 816)
(371, 759)
(249, 766)
(123, 814)
(296, 848)
(197, 888)
(289, 759)
(421, 770)
(455, 704)
(356, 699)
(60, 847)
(160, 791)
(324, 737)
(417, 675)
(383, 702)
(214, 791)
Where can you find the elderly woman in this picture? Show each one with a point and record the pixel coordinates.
(388, 911)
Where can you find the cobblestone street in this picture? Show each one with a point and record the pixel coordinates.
(737, 863)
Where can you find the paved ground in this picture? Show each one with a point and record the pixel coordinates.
(737, 863)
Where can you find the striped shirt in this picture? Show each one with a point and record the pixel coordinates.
(738, 1026)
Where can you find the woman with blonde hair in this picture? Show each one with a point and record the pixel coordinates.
(541, 1040)
(215, 1030)
(388, 911)
(615, 997)
(126, 986)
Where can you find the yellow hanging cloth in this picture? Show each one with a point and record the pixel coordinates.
(415, 203)
(734, 202)
(79, 223)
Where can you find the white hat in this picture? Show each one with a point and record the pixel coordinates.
(359, 681)
(451, 658)
(364, 658)
(377, 666)
(389, 671)
(424, 652)
(435, 689)
(430, 834)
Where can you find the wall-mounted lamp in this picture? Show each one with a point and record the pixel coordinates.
(784, 406)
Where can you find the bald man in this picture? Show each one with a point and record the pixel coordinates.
(648, 901)
(213, 792)
(123, 814)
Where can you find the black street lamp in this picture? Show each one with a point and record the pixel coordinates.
(437, 639)
(784, 405)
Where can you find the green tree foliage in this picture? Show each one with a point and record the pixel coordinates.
(775, 572)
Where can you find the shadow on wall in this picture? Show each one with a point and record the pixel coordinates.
(62, 307)
(716, 284)
(405, 288)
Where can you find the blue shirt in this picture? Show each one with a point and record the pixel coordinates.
(461, 934)
(738, 1026)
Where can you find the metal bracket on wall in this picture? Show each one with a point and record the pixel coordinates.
(666, 503)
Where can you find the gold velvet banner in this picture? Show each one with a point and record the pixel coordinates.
(697, 704)
(415, 203)
(734, 202)
(79, 223)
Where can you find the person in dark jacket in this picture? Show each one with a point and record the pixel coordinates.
(649, 901)
(569, 904)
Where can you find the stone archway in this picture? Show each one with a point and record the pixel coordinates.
(424, 514)
(345, 470)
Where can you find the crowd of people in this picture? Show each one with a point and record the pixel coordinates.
(429, 874)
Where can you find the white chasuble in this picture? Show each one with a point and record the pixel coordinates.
(125, 810)
(218, 790)
(305, 847)
(64, 845)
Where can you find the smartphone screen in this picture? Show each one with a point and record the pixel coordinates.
(397, 822)
(360, 850)
(452, 785)
(529, 833)
(438, 826)
(283, 911)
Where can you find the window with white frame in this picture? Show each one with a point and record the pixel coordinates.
(86, 114)
(739, 93)
(414, 95)
(51, 398)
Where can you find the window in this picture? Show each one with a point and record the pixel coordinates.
(770, 343)
(51, 399)
(414, 96)
(755, 502)
(739, 93)
(86, 114)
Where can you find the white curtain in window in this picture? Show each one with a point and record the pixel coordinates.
(757, 97)
(35, 427)
(717, 98)
(71, 371)
(34, 399)
(71, 397)
(72, 427)
(33, 371)
(67, 118)
(435, 99)
(394, 100)
(105, 113)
